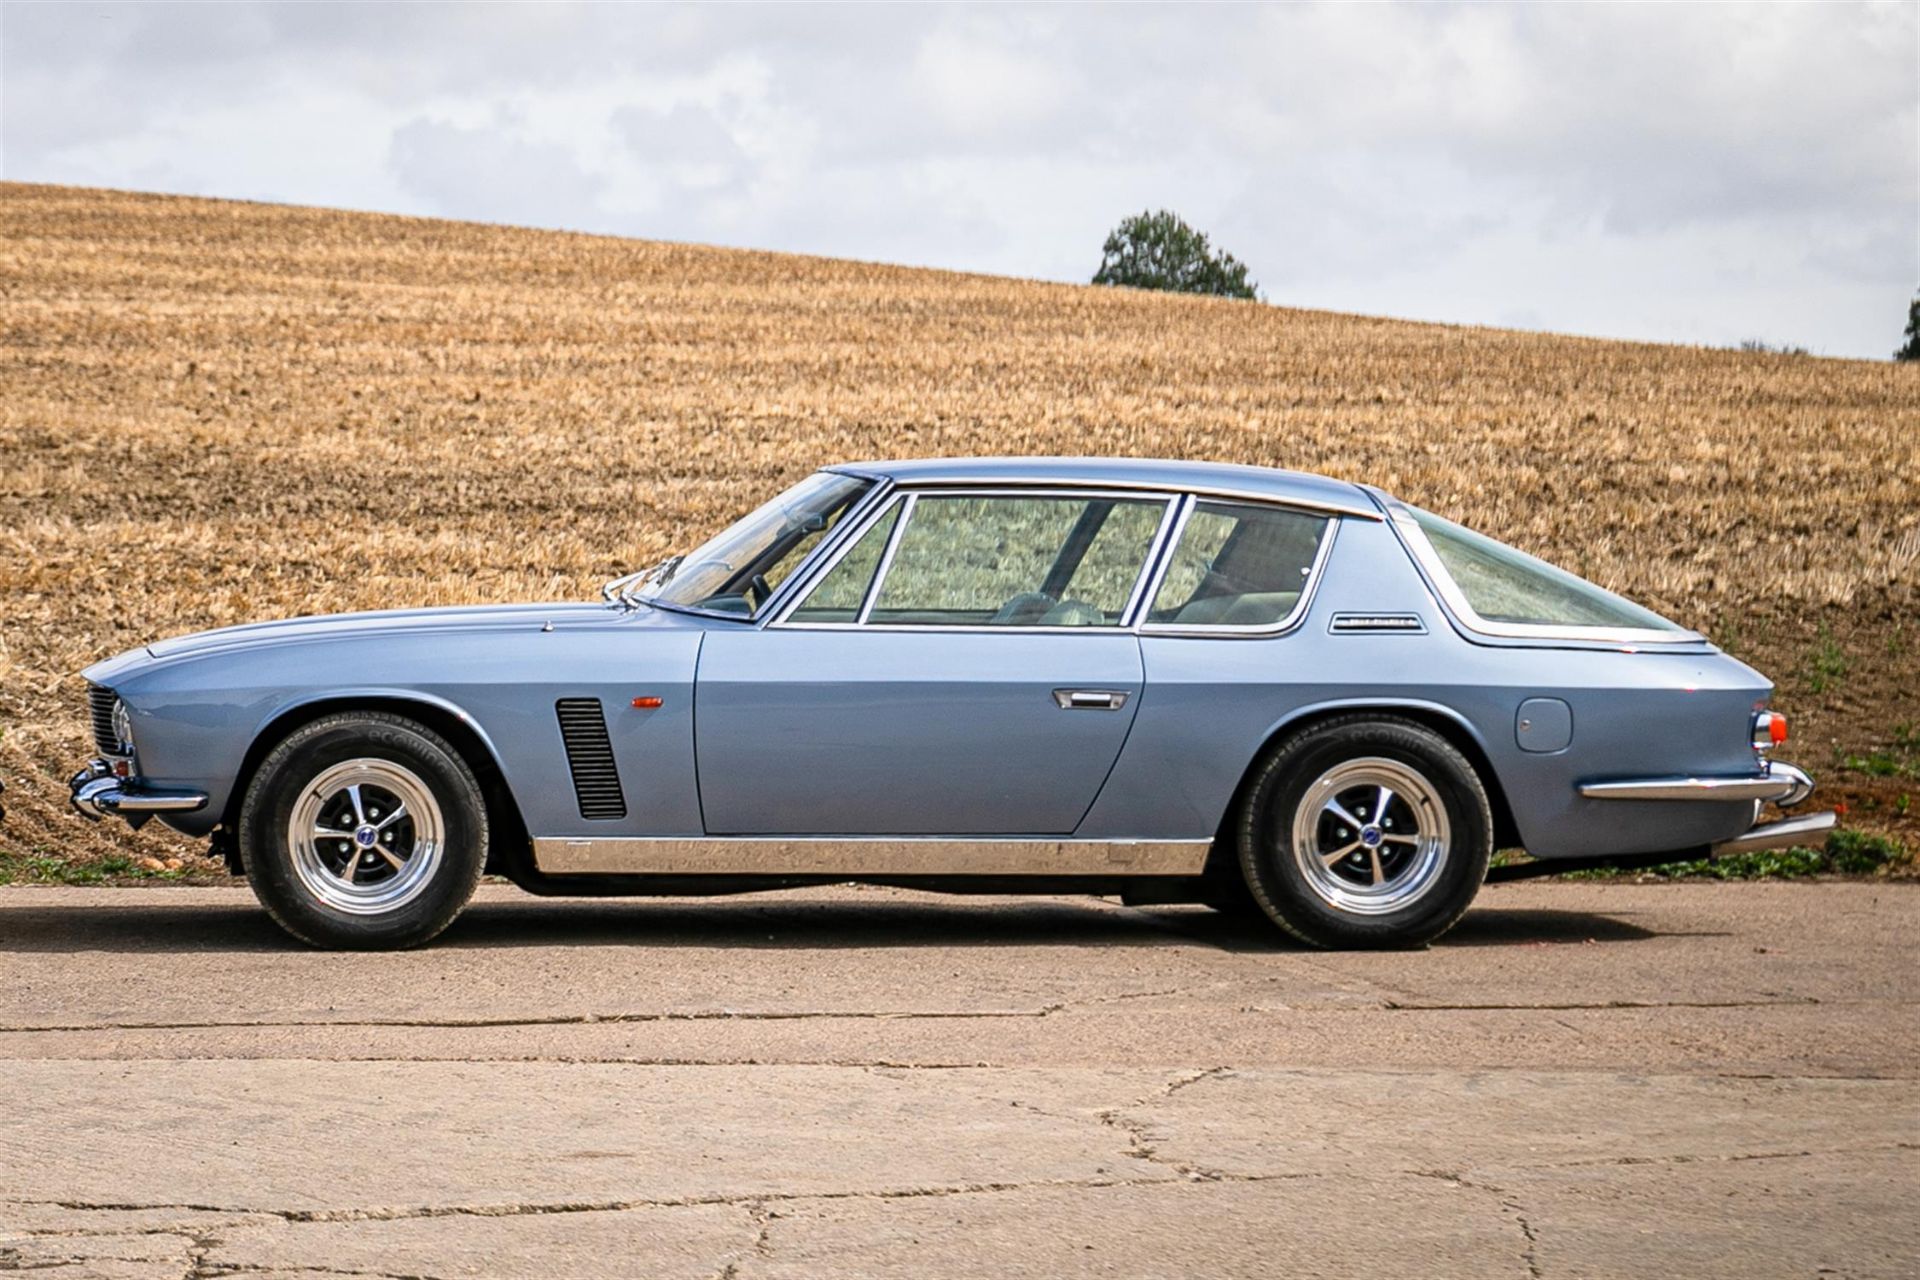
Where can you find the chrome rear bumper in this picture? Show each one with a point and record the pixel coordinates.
(97, 791)
(1781, 783)
(1808, 827)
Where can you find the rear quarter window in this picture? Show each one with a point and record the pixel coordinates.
(1503, 585)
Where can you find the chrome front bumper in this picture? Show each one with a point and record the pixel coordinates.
(97, 791)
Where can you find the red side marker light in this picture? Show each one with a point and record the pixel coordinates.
(646, 704)
(1777, 729)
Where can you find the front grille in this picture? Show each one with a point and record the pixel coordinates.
(596, 780)
(100, 708)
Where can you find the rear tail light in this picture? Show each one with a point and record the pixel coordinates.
(1769, 730)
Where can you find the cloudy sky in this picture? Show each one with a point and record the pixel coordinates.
(1689, 173)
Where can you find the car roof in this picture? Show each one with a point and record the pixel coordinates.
(1227, 479)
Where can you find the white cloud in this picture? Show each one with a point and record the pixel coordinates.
(490, 174)
(1696, 173)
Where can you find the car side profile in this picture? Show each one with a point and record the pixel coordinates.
(1168, 681)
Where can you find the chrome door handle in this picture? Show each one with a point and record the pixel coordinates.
(1090, 699)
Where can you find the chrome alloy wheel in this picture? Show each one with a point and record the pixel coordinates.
(366, 836)
(1370, 836)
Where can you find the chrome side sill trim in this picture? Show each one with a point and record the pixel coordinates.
(1782, 781)
(1780, 835)
(866, 855)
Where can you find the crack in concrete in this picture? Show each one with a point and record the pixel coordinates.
(1415, 1006)
(1509, 1207)
(218, 1269)
(555, 1020)
(559, 1059)
(11, 1261)
(1531, 1255)
(83, 1233)
(1679, 1158)
(1096, 1001)
(524, 1209)
(1192, 1078)
(864, 1064)
(759, 1219)
(198, 1253)
(1379, 1004)
(1141, 1140)
(1140, 1144)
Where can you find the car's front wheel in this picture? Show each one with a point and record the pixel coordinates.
(363, 830)
(1365, 832)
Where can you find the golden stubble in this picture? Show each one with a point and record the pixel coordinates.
(212, 412)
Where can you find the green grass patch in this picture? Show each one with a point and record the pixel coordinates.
(1883, 764)
(1899, 759)
(34, 868)
(1827, 664)
(1846, 852)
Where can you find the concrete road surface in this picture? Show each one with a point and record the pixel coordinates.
(1583, 1080)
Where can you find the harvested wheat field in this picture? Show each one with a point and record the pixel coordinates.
(212, 412)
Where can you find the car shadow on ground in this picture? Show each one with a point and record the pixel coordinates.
(765, 922)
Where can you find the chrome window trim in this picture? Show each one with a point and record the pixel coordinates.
(910, 497)
(858, 516)
(881, 487)
(885, 562)
(1428, 561)
(814, 575)
(693, 612)
(1163, 558)
(1136, 609)
(1360, 509)
(1217, 631)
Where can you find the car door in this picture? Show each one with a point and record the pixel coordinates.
(963, 667)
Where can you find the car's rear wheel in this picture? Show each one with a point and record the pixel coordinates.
(1365, 831)
(363, 830)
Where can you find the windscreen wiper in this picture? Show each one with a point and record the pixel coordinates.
(624, 590)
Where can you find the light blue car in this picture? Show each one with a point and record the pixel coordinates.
(1170, 681)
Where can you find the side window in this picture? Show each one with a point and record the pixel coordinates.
(837, 597)
(1238, 565)
(1107, 575)
(1040, 561)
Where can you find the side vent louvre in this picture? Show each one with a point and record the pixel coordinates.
(596, 782)
(1375, 623)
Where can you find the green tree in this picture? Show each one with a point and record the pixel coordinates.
(1910, 350)
(1160, 251)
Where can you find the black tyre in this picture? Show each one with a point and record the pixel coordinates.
(363, 830)
(1365, 831)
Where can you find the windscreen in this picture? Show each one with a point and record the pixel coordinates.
(739, 568)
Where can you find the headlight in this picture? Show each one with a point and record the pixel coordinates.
(122, 727)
